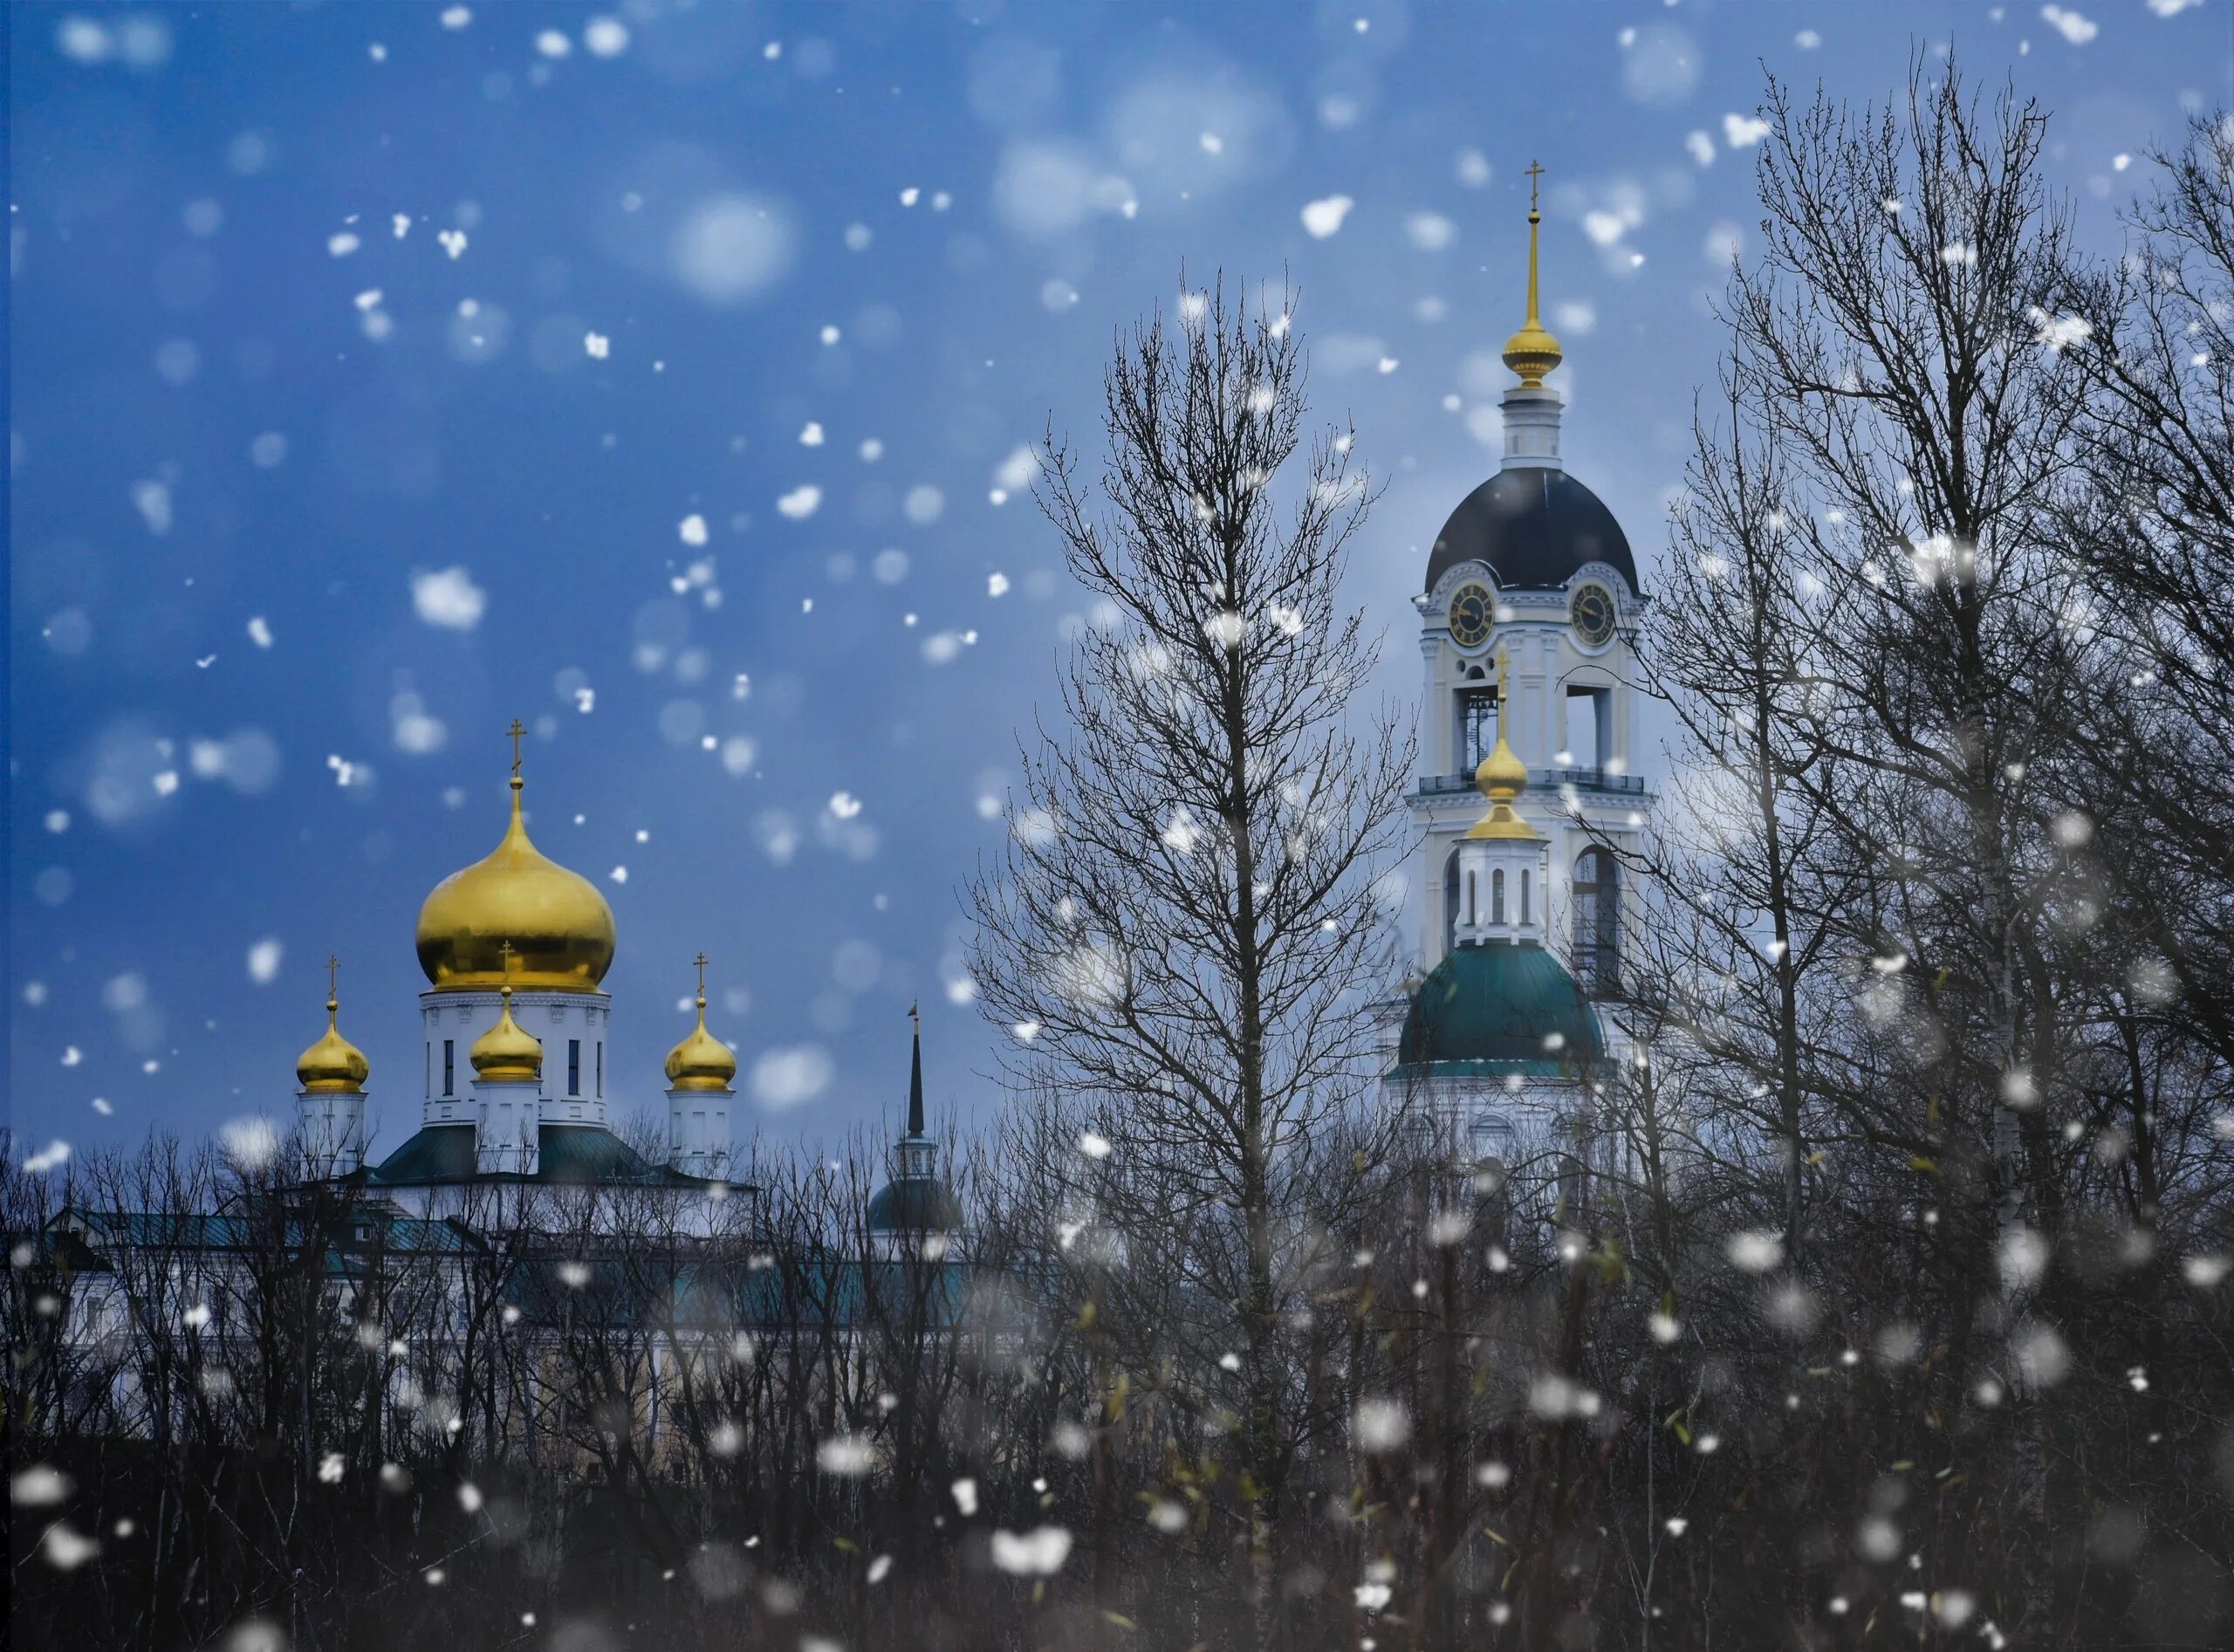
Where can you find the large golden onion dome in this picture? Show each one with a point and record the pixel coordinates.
(508, 1053)
(558, 926)
(333, 1065)
(701, 1061)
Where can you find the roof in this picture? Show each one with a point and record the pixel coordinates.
(914, 1204)
(1536, 526)
(1498, 1009)
(566, 1153)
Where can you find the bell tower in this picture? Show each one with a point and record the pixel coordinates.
(1528, 622)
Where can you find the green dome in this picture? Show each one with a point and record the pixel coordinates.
(1499, 1008)
(914, 1204)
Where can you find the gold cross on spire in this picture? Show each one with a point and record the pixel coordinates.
(916, 1014)
(1505, 688)
(1535, 171)
(514, 733)
(505, 947)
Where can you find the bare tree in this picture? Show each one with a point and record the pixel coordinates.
(1186, 921)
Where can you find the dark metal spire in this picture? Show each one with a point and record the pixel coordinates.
(916, 1077)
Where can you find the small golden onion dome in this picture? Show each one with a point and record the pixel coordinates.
(558, 926)
(1532, 352)
(1502, 775)
(333, 1065)
(508, 1053)
(701, 1061)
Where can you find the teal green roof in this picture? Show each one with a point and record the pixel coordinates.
(914, 1204)
(573, 1152)
(1496, 1010)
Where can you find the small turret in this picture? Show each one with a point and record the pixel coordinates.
(700, 1071)
(507, 1091)
(914, 1203)
(330, 1106)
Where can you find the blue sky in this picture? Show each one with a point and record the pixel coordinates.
(656, 374)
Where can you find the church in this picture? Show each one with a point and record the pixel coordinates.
(1528, 621)
(514, 1082)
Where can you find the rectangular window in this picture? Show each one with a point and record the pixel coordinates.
(1477, 727)
(449, 1066)
(601, 1068)
(429, 1064)
(1589, 731)
(573, 1066)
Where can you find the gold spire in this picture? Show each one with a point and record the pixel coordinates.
(333, 1065)
(701, 1061)
(1502, 775)
(554, 920)
(508, 1053)
(1532, 352)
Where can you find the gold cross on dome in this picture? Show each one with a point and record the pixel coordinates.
(1535, 171)
(514, 733)
(701, 962)
(333, 974)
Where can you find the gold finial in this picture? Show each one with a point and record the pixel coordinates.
(1502, 775)
(701, 962)
(514, 734)
(333, 982)
(1532, 352)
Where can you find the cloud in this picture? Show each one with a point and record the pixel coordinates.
(447, 597)
(2071, 24)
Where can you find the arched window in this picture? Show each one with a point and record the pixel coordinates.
(1497, 895)
(1472, 904)
(1598, 922)
(1451, 886)
(1526, 893)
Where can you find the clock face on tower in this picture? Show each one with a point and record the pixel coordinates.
(1593, 613)
(1471, 609)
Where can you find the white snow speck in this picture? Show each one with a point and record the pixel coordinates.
(1323, 217)
(800, 503)
(263, 960)
(447, 597)
(1037, 1553)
